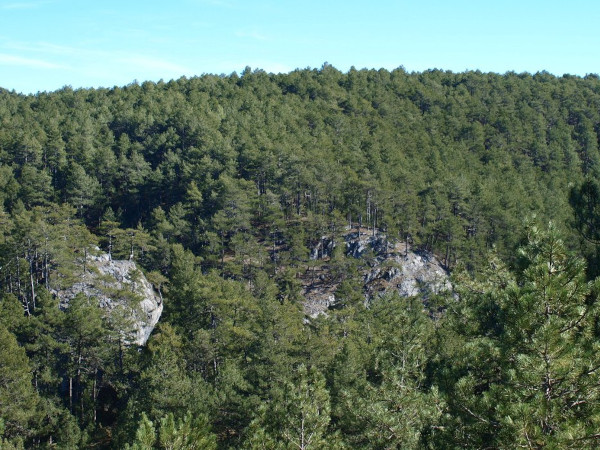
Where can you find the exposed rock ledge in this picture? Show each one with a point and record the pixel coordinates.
(119, 283)
(391, 267)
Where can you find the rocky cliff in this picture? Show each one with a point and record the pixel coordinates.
(385, 266)
(119, 283)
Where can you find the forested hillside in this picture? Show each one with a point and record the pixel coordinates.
(220, 187)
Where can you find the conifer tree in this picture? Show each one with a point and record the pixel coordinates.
(551, 388)
(18, 399)
(297, 417)
(529, 376)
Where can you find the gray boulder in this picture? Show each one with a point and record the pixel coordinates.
(387, 266)
(118, 284)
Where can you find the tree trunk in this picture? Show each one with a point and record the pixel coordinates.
(94, 395)
(46, 270)
(20, 293)
(32, 284)
(71, 394)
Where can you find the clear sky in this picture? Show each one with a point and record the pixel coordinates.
(47, 44)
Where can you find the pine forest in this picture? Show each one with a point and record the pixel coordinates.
(234, 197)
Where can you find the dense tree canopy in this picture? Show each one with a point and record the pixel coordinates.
(224, 190)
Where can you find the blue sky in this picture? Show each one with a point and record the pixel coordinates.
(47, 44)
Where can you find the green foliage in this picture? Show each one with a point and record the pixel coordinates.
(187, 433)
(527, 377)
(585, 200)
(5, 444)
(550, 331)
(297, 417)
(18, 399)
(227, 190)
(145, 436)
(474, 149)
(165, 385)
(380, 394)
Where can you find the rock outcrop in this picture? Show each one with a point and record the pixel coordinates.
(119, 283)
(386, 266)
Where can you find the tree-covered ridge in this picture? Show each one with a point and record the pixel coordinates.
(221, 187)
(454, 160)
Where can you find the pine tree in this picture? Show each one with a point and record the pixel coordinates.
(551, 388)
(188, 433)
(388, 403)
(529, 377)
(18, 399)
(297, 417)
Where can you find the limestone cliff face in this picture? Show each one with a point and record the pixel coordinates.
(117, 283)
(387, 266)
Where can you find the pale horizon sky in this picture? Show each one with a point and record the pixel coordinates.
(48, 44)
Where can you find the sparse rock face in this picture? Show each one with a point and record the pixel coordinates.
(119, 283)
(390, 266)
